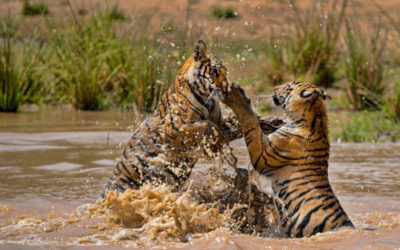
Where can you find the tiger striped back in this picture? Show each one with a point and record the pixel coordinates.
(295, 157)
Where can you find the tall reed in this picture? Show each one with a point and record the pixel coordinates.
(364, 67)
(99, 67)
(308, 48)
(392, 95)
(20, 79)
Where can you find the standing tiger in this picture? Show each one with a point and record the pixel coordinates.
(186, 125)
(295, 157)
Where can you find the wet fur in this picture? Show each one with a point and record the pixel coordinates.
(295, 157)
(187, 125)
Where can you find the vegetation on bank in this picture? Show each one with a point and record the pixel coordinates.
(110, 59)
(223, 13)
(34, 9)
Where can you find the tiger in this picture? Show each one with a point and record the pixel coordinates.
(186, 125)
(294, 157)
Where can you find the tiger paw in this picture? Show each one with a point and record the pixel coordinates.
(235, 96)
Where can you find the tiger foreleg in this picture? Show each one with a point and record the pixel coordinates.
(200, 138)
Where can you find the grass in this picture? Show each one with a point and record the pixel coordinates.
(10, 97)
(115, 13)
(364, 67)
(34, 9)
(96, 62)
(96, 67)
(308, 49)
(20, 80)
(142, 76)
(392, 101)
(392, 96)
(80, 63)
(223, 13)
(363, 127)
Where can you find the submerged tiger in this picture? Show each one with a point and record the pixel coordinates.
(186, 125)
(295, 157)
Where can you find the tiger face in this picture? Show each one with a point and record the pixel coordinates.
(296, 96)
(204, 70)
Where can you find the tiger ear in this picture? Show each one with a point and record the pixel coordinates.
(200, 51)
(324, 94)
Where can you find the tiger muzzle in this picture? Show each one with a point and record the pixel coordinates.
(278, 99)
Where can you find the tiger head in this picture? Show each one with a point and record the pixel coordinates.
(204, 70)
(298, 97)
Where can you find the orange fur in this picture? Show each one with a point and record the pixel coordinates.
(295, 157)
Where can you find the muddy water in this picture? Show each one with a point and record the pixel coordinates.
(46, 178)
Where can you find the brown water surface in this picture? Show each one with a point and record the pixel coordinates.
(52, 164)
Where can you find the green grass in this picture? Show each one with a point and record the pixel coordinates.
(10, 97)
(308, 50)
(96, 62)
(364, 126)
(364, 67)
(392, 101)
(34, 9)
(115, 13)
(95, 67)
(142, 75)
(20, 80)
(80, 65)
(223, 13)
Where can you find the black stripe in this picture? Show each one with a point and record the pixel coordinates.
(327, 186)
(174, 176)
(282, 192)
(347, 223)
(289, 193)
(305, 221)
(172, 119)
(338, 216)
(129, 182)
(114, 185)
(330, 205)
(315, 140)
(283, 183)
(258, 159)
(123, 166)
(267, 172)
(196, 96)
(178, 105)
(328, 198)
(193, 107)
(317, 149)
(296, 158)
(319, 197)
(280, 133)
(315, 163)
(275, 147)
(306, 192)
(286, 134)
(292, 225)
(162, 104)
(246, 133)
(319, 169)
(308, 182)
(320, 227)
(313, 102)
(313, 123)
(296, 209)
